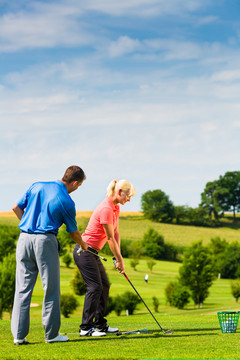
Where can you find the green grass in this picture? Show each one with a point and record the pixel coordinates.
(197, 333)
(134, 227)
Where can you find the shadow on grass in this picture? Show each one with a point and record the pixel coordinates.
(154, 335)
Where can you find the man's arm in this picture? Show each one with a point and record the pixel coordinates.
(18, 211)
(77, 238)
(114, 247)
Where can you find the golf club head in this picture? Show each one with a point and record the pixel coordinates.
(168, 332)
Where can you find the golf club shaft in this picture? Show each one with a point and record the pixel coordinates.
(133, 332)
(91, 252)
(143, 302)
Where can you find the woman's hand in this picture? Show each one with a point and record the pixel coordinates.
(120, 265)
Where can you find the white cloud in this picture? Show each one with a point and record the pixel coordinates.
(124, 45)
(227, 75)
(43, 26)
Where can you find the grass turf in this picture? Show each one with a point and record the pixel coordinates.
(197, 333)
(196, 336)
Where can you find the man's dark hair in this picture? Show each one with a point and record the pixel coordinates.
(73, 173)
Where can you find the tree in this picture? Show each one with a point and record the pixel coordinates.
(181, 213)
(211, 198)
(229, 262)
(197, 271)
(230, 185)
(7, 282)
(153, 243)
(217, 247)
(235, 288)
(156, 206)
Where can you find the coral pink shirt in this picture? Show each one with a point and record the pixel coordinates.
(105, 213)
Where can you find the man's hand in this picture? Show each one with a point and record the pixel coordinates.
(77, 238)
(84, 246)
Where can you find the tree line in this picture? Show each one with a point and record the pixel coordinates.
(218, 197)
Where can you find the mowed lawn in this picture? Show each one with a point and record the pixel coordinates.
(197, 333)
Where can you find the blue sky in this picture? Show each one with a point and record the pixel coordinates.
(146, 90)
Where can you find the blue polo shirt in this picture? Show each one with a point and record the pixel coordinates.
(47, 205)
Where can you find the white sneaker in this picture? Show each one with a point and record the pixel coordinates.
(20, 342)
(58, 338)
(109, 329)
(92, 332)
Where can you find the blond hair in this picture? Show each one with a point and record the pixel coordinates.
(124, 185)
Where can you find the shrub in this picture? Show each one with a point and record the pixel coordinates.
(130, 301)
(169, 291)
(8, 237)
(78, 285)
(118, 304)
(134, 263)
(153, 243)
(177, 295)
(126, 301)
(135, 249)
(110, 305)
(154, 246)
(7, 283)
(150, 264)
(124, 248)
(67, 259)
(68, 304)
(235, 288)
(156, 303)
(229, 263)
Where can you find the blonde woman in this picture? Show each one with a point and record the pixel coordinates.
(102, 227)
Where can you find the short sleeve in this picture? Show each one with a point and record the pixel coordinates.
(106, 216)
(70, 220)
(22, 202)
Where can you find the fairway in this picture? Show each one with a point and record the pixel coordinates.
(197, 333)
(195, 337)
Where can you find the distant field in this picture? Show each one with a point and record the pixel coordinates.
(133, 226)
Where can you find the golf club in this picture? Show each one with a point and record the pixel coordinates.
(88, 250)
(164, 331)
(134, 332)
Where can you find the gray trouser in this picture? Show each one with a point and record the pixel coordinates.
(37, 253)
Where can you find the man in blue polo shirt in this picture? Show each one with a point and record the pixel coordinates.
(43, 208)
